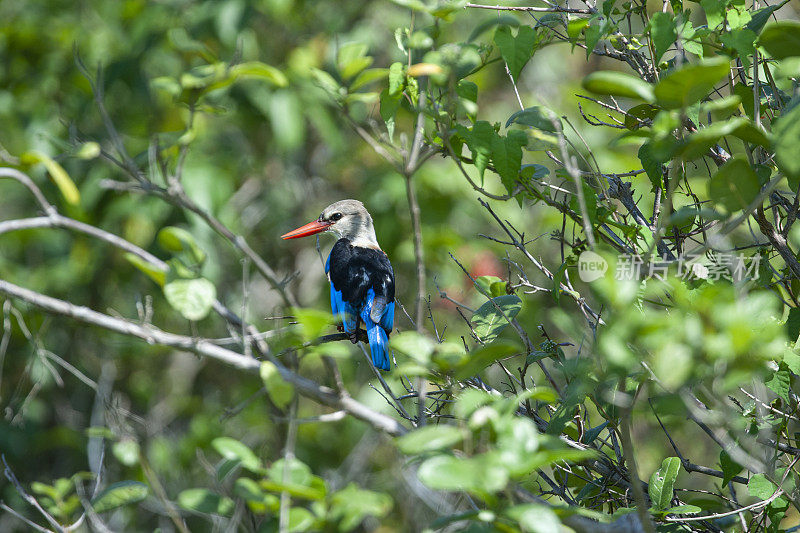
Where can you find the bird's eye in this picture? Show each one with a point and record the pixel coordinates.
(336, 216)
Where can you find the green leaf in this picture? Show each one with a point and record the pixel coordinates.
(597, 27)
(792, 360)
(352, 59)
(781, 382)
(760, 487)
(351, 505)
(698, 143)
(430, 438)
(786, 139)
(192, 298)
(714, 11)
(88, 150)
(507, 157)
(683, 509)
(371, 75)
(176, 240)
(663, 32)
(651, 165)
(467, 89)
(500, 20)
(761, 16)
(517, 443)
(536, 116)
(57, 173)
(793, 324)
(313, 322)
(781, 39)
(484, 283)
(741, 41)
(299, 472)
(414, 345)
(735, 185)
(233, 450)
(397, 78)
(390, 104)
(150, 270)
(484, 356)
(662, 481)
(575, 27)
(257, 70)
(593, 433)
(248, 490)
(618, 84)
(488, 322)
(516, 51)
(730, 468)
(685, 86)
(480, 475)
(205, 501)
(119, 494)
(126, 451)
(280, 391)
(300, 519)
(535, 518)
(479, 140)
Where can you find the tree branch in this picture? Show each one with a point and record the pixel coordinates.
(152, 335)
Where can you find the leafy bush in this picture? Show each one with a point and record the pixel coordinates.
(598, 317)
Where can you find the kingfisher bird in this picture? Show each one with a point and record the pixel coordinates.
(360, 275)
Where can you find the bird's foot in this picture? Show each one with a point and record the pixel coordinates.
(353, 335)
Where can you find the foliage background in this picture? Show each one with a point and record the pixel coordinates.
(263, 159)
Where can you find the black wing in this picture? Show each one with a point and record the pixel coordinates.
(354, 270)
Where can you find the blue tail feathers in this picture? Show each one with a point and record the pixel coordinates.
(378, 346)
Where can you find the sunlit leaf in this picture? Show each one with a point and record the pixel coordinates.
(232, 449)
(735, 185)
(59, 176)
(481, 474)
(280, 391)
(781, 39)
(119, 494)
(662, 481)
(690, 83)
(260, 71)
(192, 298)
(351, 505)
(430, 438)
(537, 117)
(516, 50)
(663, 32)
(786, 138)
(152, 271)
(493, 316)
(618, 84)
(205, 501)
(760, 487)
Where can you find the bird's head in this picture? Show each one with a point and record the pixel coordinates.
(347, 219)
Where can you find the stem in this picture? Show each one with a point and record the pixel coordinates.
(630, 462)
(288, 458)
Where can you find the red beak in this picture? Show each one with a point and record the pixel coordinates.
(309, 229)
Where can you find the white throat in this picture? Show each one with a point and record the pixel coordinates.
(359, 231)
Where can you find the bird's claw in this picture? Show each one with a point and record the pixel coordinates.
(353, 337)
